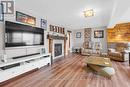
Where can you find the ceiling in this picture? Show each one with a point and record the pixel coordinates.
(69, 13)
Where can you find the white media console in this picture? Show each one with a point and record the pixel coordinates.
(23, 65)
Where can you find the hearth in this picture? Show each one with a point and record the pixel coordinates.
(58, 50)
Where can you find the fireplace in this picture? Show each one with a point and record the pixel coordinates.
(58, 50)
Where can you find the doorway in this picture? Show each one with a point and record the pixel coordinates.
(69, 41)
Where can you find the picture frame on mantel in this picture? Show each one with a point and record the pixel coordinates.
(44, 24)
(99, 34)
(1, 12)
(78, 35)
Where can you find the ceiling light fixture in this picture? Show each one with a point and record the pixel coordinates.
(88, 13)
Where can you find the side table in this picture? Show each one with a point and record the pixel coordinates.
(77, 50)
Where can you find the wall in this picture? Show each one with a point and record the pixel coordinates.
(11, 52)
(120, 13)
(120, 33)
(11, 17)
(1, 38)
(78, 42)
(102, 40)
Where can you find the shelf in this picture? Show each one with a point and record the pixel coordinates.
(56, 37)
(13, 61)
(26, 64)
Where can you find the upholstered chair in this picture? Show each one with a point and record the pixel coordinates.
(98, 47)
(120, 53)
(86, 49)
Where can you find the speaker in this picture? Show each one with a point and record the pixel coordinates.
(4, 58)
(42, 51)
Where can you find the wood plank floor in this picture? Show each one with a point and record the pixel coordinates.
(69, 72)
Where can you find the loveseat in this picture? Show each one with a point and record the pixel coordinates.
(120, 52)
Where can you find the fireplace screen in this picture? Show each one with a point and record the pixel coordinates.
(58, 49)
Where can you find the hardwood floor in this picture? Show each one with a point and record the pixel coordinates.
(70, 72)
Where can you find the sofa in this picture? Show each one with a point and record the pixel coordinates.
(120, 52)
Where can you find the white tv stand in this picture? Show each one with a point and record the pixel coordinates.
(25, 64)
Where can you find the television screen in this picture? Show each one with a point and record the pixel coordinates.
(28, 38)
(21, 37)
(37, 39)
(15, 37)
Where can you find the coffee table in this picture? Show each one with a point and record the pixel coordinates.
(101, 65)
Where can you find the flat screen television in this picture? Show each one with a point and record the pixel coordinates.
(22, 35)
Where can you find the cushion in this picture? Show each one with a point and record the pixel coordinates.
(111, 50)
(116, 54)
(109, 71)
(86, 45)
(120, 49)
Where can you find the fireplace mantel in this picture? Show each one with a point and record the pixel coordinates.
(56, 37)
(53, 38)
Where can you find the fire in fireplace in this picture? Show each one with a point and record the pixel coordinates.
(58, 49)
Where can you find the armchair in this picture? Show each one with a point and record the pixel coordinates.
(98, 47)
(86, 49)
(120, 53)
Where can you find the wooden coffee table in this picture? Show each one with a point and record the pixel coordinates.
(101, 65)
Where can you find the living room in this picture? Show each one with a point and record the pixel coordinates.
(64, 43)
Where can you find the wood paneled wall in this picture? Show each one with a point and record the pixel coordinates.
(120, 33)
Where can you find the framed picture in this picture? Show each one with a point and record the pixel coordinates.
(78, 35)
(43, 23)
(1, 12)
(99, 34)
(24, 18)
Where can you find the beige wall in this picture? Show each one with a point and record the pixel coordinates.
(78, 42)
(102, 40)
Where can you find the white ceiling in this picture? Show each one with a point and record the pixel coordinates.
(69, 13)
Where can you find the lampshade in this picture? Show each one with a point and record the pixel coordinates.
(89, 13)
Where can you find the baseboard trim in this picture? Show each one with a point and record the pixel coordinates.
(17, 77)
